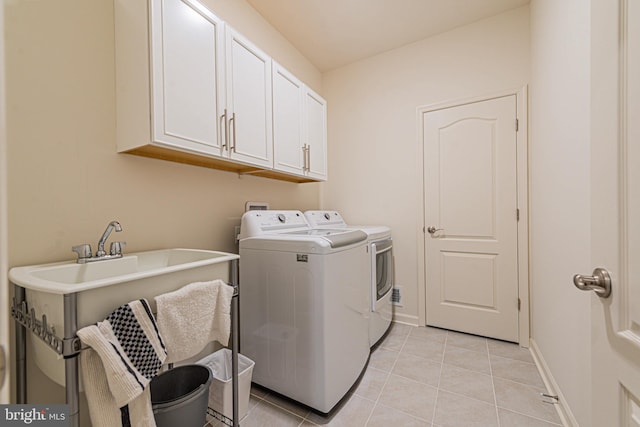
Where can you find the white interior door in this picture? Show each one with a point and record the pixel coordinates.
(615, 198)
(471, 245)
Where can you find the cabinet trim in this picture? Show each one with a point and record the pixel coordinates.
(173, 155)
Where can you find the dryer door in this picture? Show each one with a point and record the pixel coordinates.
(382, 273)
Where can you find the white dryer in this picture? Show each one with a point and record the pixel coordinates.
(381, 278)
(303, 311)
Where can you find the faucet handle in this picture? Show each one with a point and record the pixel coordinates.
(83, 250)
(116, 248)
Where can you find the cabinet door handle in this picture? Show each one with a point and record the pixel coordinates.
(223, 117)
(304, 157)
(232, 121)
(308, 158)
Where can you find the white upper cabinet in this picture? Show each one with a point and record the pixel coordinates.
(288, 150)
(299, 127)
(186, 55)
(248, 101)
(191, 89)
(315, 134)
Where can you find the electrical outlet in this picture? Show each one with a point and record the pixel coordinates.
(236, 233)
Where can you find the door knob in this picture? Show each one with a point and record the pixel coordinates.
(432, 229)
(600, 282)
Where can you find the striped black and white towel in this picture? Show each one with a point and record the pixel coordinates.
(126, 352)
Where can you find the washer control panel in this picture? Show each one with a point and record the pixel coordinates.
(256, 223)
(324, 218)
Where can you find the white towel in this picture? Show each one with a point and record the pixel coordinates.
(193, 316)
(126, 352)
(103, 410)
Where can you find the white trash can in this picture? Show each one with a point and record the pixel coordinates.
(221, 388)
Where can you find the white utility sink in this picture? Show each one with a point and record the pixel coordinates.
(68, 277)
(103, 286)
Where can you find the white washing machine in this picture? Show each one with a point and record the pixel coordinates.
(303, 311)
(381, 278)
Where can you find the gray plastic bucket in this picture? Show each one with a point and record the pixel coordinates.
(180, 395)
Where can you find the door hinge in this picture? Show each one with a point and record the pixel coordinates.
(519, 304)
(517, 125)
(517, 214)
(550, 398)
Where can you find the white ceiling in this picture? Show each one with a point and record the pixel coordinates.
(333, 33)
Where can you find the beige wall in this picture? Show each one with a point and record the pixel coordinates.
(375, 160)
(66, 181)
(560, 195)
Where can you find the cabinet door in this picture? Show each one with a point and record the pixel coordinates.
(288, 154)
(248, 101)
(187, 68)
(315, 134)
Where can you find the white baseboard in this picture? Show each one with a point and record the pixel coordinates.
(406, 319)
(566, 416)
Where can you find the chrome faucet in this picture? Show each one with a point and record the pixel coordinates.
(115, 251)
(113, 224)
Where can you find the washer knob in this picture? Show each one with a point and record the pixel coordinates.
(282, 218)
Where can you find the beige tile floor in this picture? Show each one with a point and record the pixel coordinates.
(421, 376)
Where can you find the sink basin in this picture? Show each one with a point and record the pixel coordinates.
(67, 277)
(102, 286)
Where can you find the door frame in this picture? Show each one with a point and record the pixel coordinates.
(523, 204)
(5, 386)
